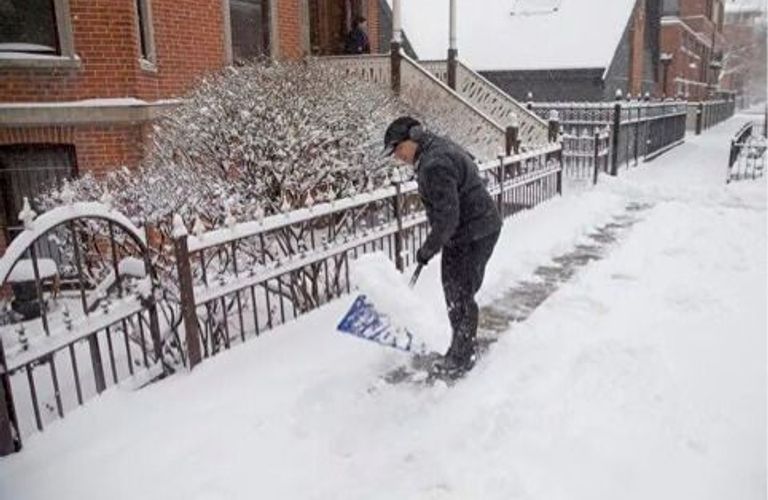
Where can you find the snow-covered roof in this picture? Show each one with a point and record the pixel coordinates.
(520, 34)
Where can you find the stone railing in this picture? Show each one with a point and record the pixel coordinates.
(492, 101)
(371, 68)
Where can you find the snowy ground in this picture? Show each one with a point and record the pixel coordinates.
(641, 377)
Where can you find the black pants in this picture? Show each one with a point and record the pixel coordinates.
(463, 269)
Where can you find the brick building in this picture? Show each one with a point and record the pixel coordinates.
(81, 80)
(691, 44)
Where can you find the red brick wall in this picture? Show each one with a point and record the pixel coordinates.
(373, 25)
(189, 42)
(289, 29)
(637, 62)
(99, 149)
(188, 39)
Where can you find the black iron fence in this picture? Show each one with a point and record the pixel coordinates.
(707, 114)
(131, 307)
(240, 281)
(639, 130)
(747, 156)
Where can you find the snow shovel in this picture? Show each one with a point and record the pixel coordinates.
(365, 321)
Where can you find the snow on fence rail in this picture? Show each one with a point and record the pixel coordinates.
(240, 281)
(747, 158)
(638, 129)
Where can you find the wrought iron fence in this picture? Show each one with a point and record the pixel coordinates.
(586, 156)
(54, 340)
(706, 114)
(237, 282)
(639, 130)
(747, 158)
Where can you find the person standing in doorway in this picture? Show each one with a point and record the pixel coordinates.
(357, 39)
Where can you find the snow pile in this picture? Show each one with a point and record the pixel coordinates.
(375, 276)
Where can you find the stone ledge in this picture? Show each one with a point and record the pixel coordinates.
(122, 110)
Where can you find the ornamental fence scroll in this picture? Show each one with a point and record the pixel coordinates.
(639, 130)
(747, 158)
(75, 323)
(240, 281)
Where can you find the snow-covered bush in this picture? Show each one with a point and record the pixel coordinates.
(262, 137)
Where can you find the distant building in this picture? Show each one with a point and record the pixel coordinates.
(575, 50)
(692, 44)
(744, 54)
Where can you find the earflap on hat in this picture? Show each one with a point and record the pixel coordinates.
(416, 132)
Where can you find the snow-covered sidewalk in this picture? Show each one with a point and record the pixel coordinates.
(643, 376)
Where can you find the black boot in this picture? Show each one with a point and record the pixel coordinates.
(459, 359)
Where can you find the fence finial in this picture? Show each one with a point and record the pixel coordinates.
(27, 215)
(198, 228)
(66, 194)
(619, 94)
(106, 199)
(179, 229)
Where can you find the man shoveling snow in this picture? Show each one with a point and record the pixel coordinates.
(464, 224)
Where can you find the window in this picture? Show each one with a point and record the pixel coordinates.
(249, 21)
(26, 171)
(29, 26)
(671, 8)
(145, 33)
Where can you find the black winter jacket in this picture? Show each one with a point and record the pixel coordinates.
(459, 208)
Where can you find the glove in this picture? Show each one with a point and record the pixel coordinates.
(422, 258)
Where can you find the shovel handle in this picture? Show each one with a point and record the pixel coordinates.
(415, 276)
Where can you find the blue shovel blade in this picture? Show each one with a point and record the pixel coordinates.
(365, 321)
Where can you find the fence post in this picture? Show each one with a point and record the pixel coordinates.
(500, 178)
(512, 144)
(615, 137)
(10, 437)
(186, 291)
(554, 125)
(395, 66)
(398, 211)
(597, 157)
(699, 117)
(765, 122)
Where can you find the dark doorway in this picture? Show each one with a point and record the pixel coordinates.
(28, 170)
(330, 21)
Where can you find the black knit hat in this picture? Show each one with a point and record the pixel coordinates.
(397, 132)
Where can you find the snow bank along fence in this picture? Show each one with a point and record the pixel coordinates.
(239, 281)
(636, 130)
(77, 322)
(707, 114)
(747, 157)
